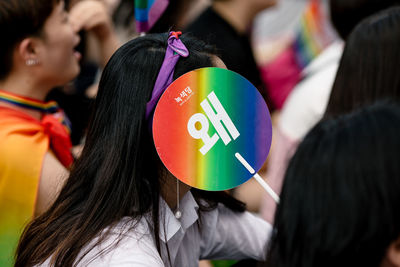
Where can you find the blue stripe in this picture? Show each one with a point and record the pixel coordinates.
(141, 14)
(45, 110)
(150, 3)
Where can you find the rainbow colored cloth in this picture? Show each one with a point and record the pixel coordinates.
(147, 12)
(313, 34)
(23, 145)
(24, 142)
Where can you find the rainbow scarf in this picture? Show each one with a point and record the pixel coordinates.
(147, 12)
(50, 107)
(24, 141)
(30, 103)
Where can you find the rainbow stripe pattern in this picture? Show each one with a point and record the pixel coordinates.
(23, 145)
(313, 34)
(147, 12)
(218, 169)
(26, 102)
(50, 107)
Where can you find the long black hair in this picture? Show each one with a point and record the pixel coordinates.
(118, 173)
(340, 199)
(369, 68)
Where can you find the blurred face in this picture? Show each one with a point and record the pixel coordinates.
(58, 60)
(260, 5)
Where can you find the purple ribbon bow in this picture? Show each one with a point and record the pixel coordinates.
(175, 50)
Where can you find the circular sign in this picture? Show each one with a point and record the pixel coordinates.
(212, 129)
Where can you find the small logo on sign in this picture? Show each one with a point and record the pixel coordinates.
(184, 96)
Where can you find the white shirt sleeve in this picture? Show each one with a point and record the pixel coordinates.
(231, 235)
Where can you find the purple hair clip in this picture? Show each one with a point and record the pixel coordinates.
(175, 49)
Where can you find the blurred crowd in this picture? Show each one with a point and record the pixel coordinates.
(82, 185)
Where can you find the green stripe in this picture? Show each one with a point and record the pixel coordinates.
(141, 4)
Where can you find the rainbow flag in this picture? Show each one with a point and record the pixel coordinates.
(23, 145)
(147, 12)
(312, 35)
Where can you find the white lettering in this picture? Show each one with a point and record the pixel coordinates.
(202, 133)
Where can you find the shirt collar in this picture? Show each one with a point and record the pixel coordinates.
(189, 209)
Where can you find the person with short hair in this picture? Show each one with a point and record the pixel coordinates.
(37, 53)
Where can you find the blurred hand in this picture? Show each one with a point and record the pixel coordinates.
(91, 15)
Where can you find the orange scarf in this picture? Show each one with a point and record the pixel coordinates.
(24, 141)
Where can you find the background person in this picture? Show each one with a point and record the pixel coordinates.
(307, 103)
(339, 203)
(36, 54)
(225, 24)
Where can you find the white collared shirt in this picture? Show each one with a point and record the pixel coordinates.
(307, 102)
(224, 234)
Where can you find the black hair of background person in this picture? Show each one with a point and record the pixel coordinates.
(346, 14)
(370, 64)
(340, 199)
(233, 47)
(118, 173)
